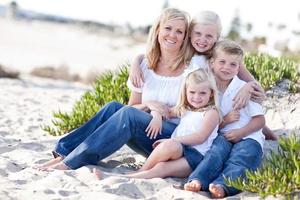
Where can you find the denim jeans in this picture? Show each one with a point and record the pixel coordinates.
(112, 127)
(229, 160)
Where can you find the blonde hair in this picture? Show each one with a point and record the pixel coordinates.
(153, 52)
(204, 18)
(229, 47)
(198, 76)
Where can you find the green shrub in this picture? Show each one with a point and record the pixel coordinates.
(279, 173)
(269, 70)
(109, 86)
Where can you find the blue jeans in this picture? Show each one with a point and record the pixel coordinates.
(229, 160)
(112, 127)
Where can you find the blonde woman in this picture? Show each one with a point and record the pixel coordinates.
(116, 124)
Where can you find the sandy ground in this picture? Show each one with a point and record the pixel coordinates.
(26, 104)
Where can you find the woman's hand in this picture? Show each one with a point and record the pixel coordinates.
(155, 125)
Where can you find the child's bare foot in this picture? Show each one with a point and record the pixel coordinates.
(60, 166)
(269, 134)
(97, 173)
(48, 164)
(193, 186)
(217, 191)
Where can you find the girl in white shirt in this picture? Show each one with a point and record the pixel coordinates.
(181, 154)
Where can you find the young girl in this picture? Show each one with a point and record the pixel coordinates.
(204, 31)
(197, 107)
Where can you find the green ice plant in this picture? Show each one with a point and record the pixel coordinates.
(109, 86)
(279, 173)
(269, 70)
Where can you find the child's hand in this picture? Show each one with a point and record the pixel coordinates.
(234, 136)
(242, 98)
(233, 116)
(258, 95)
(136, 75)
(154, 126)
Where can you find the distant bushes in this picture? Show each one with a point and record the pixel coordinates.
(112, 86)
(61, 73)
(109, 86)
(7, 73)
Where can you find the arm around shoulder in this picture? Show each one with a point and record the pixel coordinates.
(135, 73)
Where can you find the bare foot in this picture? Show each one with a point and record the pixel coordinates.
(60, 166)
(269, 134)
(97, 173)
(217, 191)
(48, 164)
(193, 186)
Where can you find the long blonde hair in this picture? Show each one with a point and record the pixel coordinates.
(203, 18)
(153, 52)
(195, 77)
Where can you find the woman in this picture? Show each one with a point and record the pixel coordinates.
(116, 124)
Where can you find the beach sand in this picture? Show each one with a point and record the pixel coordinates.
(28, 103)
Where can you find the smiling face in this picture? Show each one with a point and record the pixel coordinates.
(198, 95)
(171, 35)
(203, 37)
(225, 66)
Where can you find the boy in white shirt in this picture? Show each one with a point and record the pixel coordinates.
(240, 142)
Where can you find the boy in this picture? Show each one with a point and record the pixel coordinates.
(240, 142)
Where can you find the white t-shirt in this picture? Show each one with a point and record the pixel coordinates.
(190, 123)
(252, 109)
(199, 61)
(159, 88)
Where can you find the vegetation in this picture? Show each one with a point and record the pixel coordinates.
(279, 174)
(112, 86)
(109, 86)
(269, 70)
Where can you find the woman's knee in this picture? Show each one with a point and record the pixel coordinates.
(114, 104)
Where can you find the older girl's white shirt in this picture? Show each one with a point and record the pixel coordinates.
(199, 61)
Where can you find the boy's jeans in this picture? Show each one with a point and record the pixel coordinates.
(112, 127)
(229, 160)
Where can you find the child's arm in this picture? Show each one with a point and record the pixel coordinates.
(135, 74)
(255, 124)
(251, 90)
(210, 122)
(232, 116)
(155, 125)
